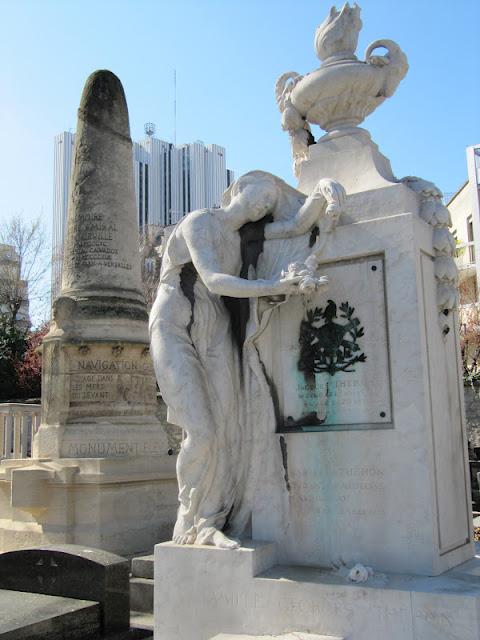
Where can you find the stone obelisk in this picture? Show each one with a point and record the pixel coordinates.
(99, 394)
(100, 474)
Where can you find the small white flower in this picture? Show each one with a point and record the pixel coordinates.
(359, 573)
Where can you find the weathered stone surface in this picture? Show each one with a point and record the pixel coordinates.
(141, 594)
(142, 567)
(123, 504)
(101, 251)
(34, 616)
(72, 571)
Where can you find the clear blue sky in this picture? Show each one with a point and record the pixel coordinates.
(227, 56)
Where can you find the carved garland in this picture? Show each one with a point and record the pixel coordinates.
(434, 212)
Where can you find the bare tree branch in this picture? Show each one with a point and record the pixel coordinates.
(24, 264)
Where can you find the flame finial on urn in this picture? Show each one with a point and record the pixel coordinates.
(337, 36)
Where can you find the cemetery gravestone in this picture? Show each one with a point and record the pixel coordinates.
(72, 571)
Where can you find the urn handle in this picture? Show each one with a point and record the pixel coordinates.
(394, 63)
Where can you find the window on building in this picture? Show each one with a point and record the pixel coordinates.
(471, 247)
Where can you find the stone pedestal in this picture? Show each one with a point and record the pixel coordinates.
(202, 591)
(99, 401)
(337, 154)
(122, 505)
(119, 505)
(374, 452)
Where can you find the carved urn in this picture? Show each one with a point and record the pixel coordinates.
(344, 90)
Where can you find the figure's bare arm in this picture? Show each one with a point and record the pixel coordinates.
(327, 199)
(203, 254)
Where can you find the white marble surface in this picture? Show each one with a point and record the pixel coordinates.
(294, 635)
(395, 499)
(213, 388)
(350, 156)
(245, 592)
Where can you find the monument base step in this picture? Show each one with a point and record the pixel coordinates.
(141, 595)
(130, 634)
(294, 635)
(142, 620)
(141, 584)
(201, 592)
(142, 566)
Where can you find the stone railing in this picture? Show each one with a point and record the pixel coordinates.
(18, 424)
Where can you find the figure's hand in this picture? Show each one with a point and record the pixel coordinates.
(305, 278)
(332, 216)
(288, 285)
(310, 284)
(335, 197)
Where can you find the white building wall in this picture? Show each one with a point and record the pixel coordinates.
(177, 186)
(216, 175)
(464, 209)
(141, 162)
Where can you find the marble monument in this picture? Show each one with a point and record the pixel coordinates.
(325, 443)
(100, 473)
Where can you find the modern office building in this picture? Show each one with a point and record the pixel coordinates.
(170, 181)
(62, 168)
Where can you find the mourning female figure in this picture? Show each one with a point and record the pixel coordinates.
(197, 362)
